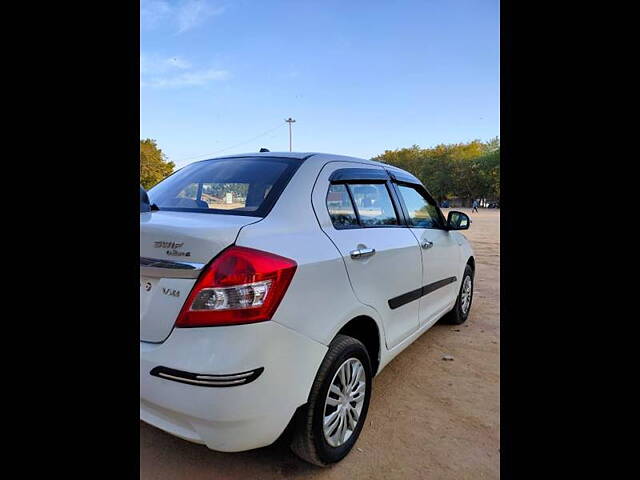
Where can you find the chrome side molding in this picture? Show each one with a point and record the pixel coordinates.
(157, 268)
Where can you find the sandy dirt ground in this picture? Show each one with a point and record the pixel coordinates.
(428, 418)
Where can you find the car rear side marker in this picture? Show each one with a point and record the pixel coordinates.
(205, 380)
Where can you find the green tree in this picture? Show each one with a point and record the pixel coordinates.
(489, 174)
(468, 170)
(153, 164)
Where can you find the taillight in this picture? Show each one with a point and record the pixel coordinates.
(241, 285)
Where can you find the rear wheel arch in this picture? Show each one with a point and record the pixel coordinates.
(366, 330)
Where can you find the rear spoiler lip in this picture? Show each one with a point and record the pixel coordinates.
(162, 268)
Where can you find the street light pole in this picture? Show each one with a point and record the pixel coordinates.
(290, 121)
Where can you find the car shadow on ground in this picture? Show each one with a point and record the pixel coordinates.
(165, 456)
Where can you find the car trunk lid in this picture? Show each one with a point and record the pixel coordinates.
(174, 247)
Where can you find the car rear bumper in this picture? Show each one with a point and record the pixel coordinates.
(229, 418)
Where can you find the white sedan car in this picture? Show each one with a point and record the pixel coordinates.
(274, 286)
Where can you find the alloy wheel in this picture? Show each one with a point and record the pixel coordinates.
(465, 295)
(344, 402)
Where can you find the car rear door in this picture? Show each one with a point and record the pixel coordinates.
(354, 206)
(439, 247)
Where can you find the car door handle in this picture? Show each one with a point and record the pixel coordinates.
(362, 252)
(426, 244)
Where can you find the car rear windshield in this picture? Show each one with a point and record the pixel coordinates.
(233, 186)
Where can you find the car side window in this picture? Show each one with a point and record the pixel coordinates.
(340, 207)
(373, 204)
(422, 212)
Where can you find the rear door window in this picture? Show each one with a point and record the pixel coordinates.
(340, 207)
(353, 205)
(237, 186)
(374, 204)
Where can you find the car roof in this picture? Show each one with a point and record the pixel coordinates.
(298, 155)
(302, 156)
(315, 156)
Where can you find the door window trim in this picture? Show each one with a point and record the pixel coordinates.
(392, 179)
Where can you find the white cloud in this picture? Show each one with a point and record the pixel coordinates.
(154, 64)
(192, 13)
(175, 71)
(154, 12)
(181, 16)
(179, 63)
(194, 78)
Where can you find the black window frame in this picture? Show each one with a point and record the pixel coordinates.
(293, 164)
(391, 178)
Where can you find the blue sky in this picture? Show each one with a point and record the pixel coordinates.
(360, 77)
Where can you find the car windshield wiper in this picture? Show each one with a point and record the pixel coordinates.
(154, 207)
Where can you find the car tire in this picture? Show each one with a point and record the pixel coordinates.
(458, 315)
(310, 442)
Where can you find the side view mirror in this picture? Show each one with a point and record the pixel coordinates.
(145, 205)
(458, 221)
